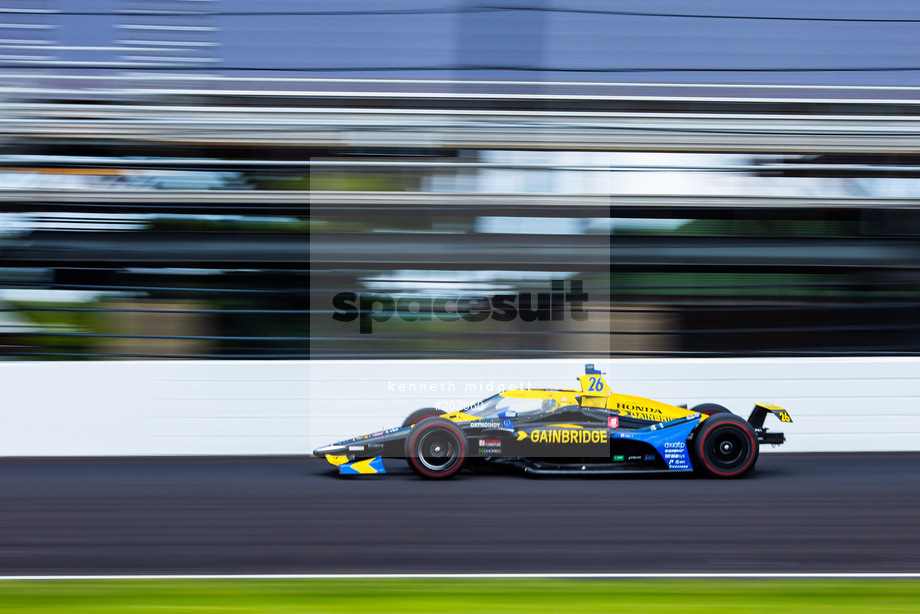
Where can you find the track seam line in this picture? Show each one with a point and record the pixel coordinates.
(461, 576)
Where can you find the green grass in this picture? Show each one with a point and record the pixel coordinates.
(470, 596)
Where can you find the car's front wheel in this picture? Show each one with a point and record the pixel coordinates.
(435, 448)
(724, 446)
(420, 414)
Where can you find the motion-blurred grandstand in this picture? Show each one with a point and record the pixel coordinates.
(199, 179)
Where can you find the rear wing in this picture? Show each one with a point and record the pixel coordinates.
(760, 414)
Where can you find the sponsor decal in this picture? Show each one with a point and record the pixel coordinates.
(613, 422)
(507, 423)
(634, 458)
(627, 407)
(356, 448)
(644, 416)
(490, 446)
(618, 458)
(649, 457)
(640, 412)
(484, 424)
(570, 436)
(675, 454)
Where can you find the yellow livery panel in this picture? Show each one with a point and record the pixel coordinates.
(645, 409)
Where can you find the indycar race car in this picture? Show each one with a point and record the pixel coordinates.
(567, 431)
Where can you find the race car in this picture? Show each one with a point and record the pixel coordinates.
(589, 429)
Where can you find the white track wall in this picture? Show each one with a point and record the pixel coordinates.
(292, 407)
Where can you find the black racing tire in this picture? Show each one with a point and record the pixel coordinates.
(420, 414)
(710, 408)
(724, 446)
(436, 449)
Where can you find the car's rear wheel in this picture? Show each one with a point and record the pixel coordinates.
(724, 446)
(710, 408)
(420, 414)
(435, 448)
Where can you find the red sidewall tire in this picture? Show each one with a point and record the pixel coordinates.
(710, 408)
(721, 429)
(420, 414)
(435, 430)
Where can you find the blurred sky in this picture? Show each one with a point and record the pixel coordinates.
(705, 40)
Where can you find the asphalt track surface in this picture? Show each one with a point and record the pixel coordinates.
(797, 513)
